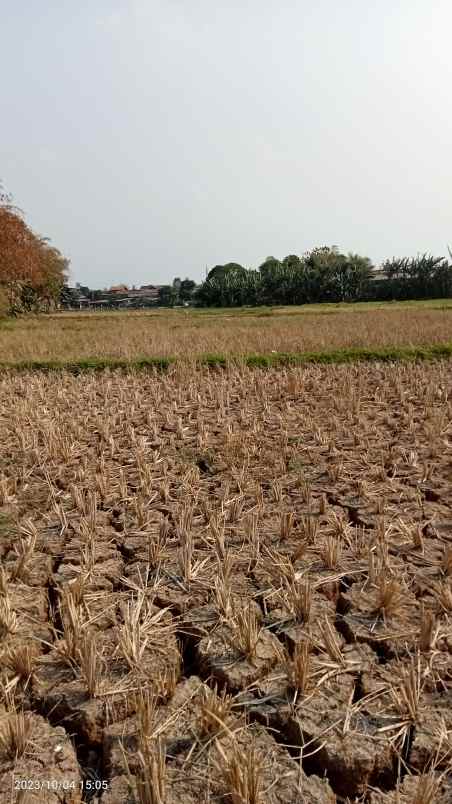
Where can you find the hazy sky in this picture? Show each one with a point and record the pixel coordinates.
(150, 139)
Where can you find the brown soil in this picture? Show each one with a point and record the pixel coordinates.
(417, 788)
(324, 722)
(192, 753)
(47, 771)
(219, 658)
(201, 496)
(63, 693)
(363, 621)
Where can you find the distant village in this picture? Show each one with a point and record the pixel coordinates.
(81, 297)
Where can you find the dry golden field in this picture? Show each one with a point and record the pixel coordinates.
(230, 586)
(190, 333)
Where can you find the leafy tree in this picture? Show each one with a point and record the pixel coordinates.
(232, 271)
(187, 288)
(323, 274)
(350, 277)
(320, 264)
(51, 274)
(216, 272)
(69, 297)
(270, 274)
(208, 293)
(292, 261)
(225, 286)
(167, 296)
(417, 277)
(31, 271)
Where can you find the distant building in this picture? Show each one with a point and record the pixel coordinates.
(118, 289)
(73, 298)
(114, 297)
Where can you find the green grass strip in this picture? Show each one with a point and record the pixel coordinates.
(274, 359)
(88, 364)
(383, 354)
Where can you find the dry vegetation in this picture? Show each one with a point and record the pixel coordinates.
(182, 333)
(232, 586)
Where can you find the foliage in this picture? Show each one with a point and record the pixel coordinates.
(187, 288)
(228, 285)
(167, 296)
(417, 278)
(32, 272)
(229, 271)
(324, 274)
(69, 297)
(180, 292)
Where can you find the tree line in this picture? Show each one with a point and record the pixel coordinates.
(32, 271)
(324, 274)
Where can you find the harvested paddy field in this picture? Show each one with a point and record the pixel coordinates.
(190, 334)
(230, 586)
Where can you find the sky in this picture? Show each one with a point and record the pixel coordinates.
(149, 140)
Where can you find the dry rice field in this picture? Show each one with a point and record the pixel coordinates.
(191, 333)
(227, 586)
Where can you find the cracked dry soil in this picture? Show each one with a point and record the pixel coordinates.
(228, 586)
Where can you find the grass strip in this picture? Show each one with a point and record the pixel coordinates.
(88, 364)
(382, 354)
(274, 359)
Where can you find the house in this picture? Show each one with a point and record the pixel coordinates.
(123, 289)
